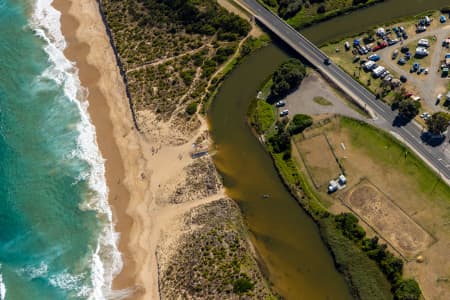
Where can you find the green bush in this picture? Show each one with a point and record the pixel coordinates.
(280, 142)
(299, 123)
(191, 108)
(348, 224)
(242, 285)
(407, 289)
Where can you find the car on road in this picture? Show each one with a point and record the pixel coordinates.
(280, 103)
(284, 113)
(395, 54)
(438, 99)
(327, 61)
(374, 57)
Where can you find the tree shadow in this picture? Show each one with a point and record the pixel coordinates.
(432, 140)
(401, 121)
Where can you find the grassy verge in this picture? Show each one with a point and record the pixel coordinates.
(322, 101)
(391, 153)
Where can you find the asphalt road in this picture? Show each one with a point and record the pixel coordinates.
(410, 133)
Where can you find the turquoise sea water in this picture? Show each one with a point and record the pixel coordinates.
(55, 238)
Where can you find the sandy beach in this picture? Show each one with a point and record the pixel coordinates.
(109, 111)
(143, 170)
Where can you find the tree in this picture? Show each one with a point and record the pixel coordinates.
(408, 108)
(438, 123)
(321, 9)
(348, 223)
(407, 289)
(299, 123)
(280, 142)
(286, 78)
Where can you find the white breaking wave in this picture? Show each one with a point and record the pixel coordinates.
(2, 287)
(106, 260)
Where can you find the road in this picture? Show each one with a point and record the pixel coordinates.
(436, 157)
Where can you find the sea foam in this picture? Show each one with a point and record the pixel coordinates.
(106, 259)
(2, 287)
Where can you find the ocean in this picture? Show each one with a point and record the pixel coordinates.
(56, 233)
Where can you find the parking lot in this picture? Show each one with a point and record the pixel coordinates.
(407, 58)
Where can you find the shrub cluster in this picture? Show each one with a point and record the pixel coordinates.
(391, 266)
(287, 78)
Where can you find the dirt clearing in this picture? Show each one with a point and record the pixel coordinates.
(386, 218)
(319, 160)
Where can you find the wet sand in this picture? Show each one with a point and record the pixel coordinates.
(100, 75)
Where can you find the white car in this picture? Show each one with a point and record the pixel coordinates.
(425, 115)
(280, 103)
(284, 112)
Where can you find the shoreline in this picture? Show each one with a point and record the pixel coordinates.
(112, 122)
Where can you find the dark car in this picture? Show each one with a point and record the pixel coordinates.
(403, 78)
(327, 61)
(404, 49)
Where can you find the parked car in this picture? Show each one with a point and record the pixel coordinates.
(384, 74)
(403, 78)
(374, 57)
(425, 115)
(401, 61)
(393, 42)
(404, 35)
(442, 19)
(395, 54)
(404, 49)
(280, 103)
(420, 29)
(284, 112)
